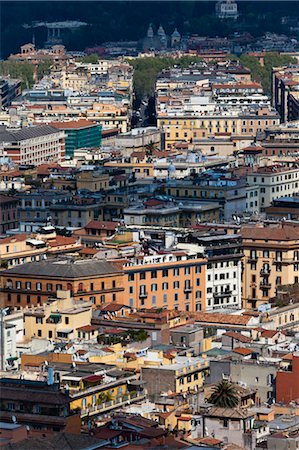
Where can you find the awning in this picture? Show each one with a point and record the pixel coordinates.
(93, 378)
(55, 317)
(65, 331)
(12, 358)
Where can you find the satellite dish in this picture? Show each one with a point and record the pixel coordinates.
(14, 419)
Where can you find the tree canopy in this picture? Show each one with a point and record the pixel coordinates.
(224, 395)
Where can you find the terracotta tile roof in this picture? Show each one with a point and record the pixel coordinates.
(238, 336)
(269, 333)
(113, 307)
(288, 357)
(88, 251)
(73, 124)
(209, 441)
(12, 239)
(242, 351)
(61, 240)
(88, 328)
(229, 319)
(287, 233)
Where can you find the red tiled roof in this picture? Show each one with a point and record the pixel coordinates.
(242, 351)
(238, 336)
(230, 319)
(88, 328)
(73, 124)
(61, 240)
(113, 307)
(88, 251)
(12, 239)
(285, 233)
(269, 333)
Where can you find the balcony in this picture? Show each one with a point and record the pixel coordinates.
(223, 294)
(265, 272)
(265, 285)
(252, 258)
(112, 404)
(188, 289)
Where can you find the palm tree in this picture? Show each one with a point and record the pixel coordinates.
(150, 148)
(224, 395)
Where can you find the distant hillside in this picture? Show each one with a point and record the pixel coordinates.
(129, 20)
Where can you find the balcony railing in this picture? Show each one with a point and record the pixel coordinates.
(116, 403)
(265, 272)
(222, 294)
(265, 285)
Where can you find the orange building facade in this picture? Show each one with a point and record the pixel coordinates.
(33, 283)
(173, 281)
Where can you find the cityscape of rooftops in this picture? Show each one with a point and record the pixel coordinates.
(149, 225)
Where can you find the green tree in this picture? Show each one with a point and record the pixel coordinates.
(224, 395)
(93, 58)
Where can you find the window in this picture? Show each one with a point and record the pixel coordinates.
(18, 285)
(165, 298)
(131, 289)
(38, 286)
(154, 300)
(176, 285)
(176, 272)
(38, 320)
(28, 285)
(50, 334)
(154, 287)
(187, 270)
(67, 321)
(142, 276)
(131, 277)
(164, 286)
(176, 297)
(198, 269)
(154, 274)
(58, 287)
(225, 423)
(39, 333)
(49, 286)
(165, 273)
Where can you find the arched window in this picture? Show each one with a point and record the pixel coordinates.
(80, 287)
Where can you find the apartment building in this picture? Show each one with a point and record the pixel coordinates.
(110, 115)
(230, 193)
(266, 184)
(271, 259)
(31, 284)
(34, 207)
(172, 281)
(79, 134)
(33, 145)
(186, 126)
(57, 319)
(8, 213)
(224, 267)
(39, 405)
(172, 214)
(181, 376)
(77, 212)
(285, 92)
(92, 180)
